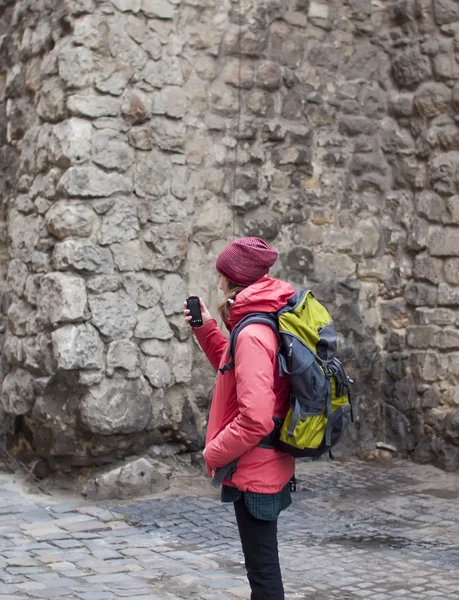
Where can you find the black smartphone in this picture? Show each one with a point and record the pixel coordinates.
(194, 306)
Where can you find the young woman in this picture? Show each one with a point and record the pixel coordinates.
(245, 401)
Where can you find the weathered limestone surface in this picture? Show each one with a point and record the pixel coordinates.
(135, 136)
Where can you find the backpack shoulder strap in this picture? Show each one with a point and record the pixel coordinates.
(269, 319)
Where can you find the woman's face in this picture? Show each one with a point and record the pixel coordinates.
(224, 284)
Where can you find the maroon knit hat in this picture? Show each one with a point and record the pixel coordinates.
(246, 260)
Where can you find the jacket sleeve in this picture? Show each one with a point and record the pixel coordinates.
(212, 341)
(254, 372)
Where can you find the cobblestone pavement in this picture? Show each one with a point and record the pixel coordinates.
(356, 530)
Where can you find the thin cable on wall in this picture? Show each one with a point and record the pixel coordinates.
(238, 115)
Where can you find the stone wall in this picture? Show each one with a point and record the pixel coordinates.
(7, 173)
(149, 132)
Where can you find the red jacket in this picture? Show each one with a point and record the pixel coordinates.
(247, 397)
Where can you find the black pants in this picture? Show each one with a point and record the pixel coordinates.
(259, 544)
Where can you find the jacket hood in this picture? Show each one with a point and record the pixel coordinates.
(265, 295)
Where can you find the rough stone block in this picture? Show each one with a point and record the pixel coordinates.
(157, 372)
(123, 355)
(113, 313)
(448, 295)
(452, 210)
(452, 422)
(51, 103)
(168, 134)
(420, 294)
(153, 324)
(117, 406)
(76, 67)
(141, 138)
(136, 108)
(421, 336)
(82, 256)
(444, 241)
(181, 361)
(445, 11)
(170, 243)
(401, 105)
(145, 289)
(431, 397)
(453, 365)
(223, 99)
(213, 221)
(269, 76)
(426, 267)
(432, 99)
(410, 67)
(431, 206)
(103, 283)
(112, 76)
(70, 142)
(170, 101)
(133, 256)
(154, 348)
(445, 65)
(248, 42)
(38, 354)
(261, 103)
(238, 75)
(61, 298)
(78, 347)
(434, 316)
(120, 223)
(129, 481)
(93, 106)
(153, 174)
(452, 271)
(24, 234)
(18, 392)
(173, 294)
(20, 314)
(428, 366)
(17, 276)
(12, 350)
(128, 5)
(417, 239)
(158, 8)
(32, 287)
(447, 339)
(318, 10)
(404, 396)
(67, 219)
(91, 182)
(109, 151)
(397, 366)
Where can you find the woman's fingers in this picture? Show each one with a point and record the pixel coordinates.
(186, 313)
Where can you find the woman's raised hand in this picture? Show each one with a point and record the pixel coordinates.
(206, 316)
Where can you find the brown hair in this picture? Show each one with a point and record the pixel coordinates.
(225, 303)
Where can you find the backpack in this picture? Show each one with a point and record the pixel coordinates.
(320, 401)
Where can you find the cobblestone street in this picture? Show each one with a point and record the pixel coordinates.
(356, 530)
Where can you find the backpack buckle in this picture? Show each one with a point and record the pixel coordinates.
(227, 367)
(292, 484)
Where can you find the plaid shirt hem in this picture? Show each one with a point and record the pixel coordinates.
(265, 507)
